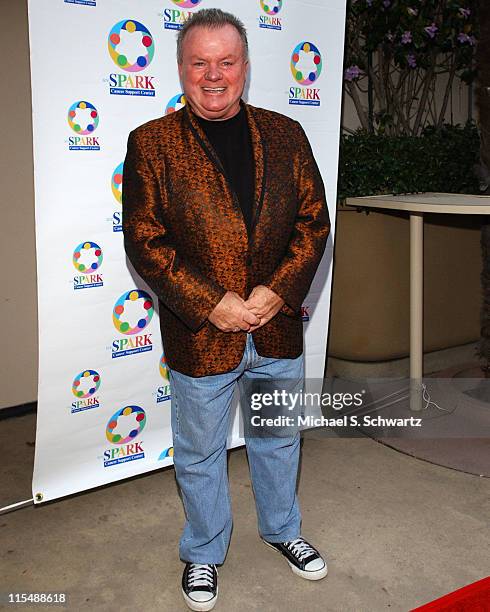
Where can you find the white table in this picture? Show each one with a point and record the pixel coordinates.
(418, 204)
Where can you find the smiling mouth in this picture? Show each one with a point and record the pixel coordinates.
(214, 90)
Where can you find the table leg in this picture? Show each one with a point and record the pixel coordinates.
(416, 309)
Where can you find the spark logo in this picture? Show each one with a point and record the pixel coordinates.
(132, 48)
(117, 187)
(166, 453)
(84, 2)
(117, 221)
(174, 19)
(305, 313)
(83, 119)
(163, 392)
(306, 67)
(175, 104)
(132, 313)
(84, 388)
(116, 182)
(122, 429)
(163, 368)
(87, 259)
(270, 20)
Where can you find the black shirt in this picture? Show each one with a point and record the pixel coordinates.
(232, 142)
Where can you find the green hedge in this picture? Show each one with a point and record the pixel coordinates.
(439, 160)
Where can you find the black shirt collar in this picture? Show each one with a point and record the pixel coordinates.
(217, 125)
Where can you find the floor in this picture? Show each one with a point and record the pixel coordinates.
(397, 532)
(454, 428)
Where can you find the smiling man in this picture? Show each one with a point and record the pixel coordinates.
(225, 218)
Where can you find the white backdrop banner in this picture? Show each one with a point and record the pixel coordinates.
(99, 69)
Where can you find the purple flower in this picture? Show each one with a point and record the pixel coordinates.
(386, 3)
(406, 37)
(369, 2)
(352, 73)
(465, 12)
(464, 38)
(412, 62)
(431, 30)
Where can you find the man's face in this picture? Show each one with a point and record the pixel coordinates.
(213, 71)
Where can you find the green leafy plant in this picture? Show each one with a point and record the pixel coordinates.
(439, 160)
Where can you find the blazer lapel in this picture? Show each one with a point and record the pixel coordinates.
(259, 154)
(260, 159)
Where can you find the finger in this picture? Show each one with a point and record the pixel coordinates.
(264, 321)
(260, 314)
(250, 318)
(232, 328)
(254, 306)
(257, 312)
(254, 327)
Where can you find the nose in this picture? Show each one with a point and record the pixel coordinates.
(213, 73)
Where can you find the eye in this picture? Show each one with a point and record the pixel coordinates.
(227, 63)
(198, 64)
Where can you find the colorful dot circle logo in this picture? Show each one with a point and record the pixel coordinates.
(125, 425)
(122, 48)
(167, 452)
(133, 312)
(271, 7)
(83, 117)
(86, 384)
(175, 104)
(186, 3)
(306, 63)
(117, 182)
(164, 368)
(87, 257)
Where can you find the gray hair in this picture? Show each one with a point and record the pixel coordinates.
(211, 18)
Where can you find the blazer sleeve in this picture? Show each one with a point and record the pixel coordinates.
(292, 278)
(148, 244)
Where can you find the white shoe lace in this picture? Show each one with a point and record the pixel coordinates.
(200, 574)
(300, 549)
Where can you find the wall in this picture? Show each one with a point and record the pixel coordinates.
(370, 311)
(18, 301)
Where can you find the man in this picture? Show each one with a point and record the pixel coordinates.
(225, 218)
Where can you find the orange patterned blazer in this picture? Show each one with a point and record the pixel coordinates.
(185, 235)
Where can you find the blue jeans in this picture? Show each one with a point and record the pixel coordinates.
(200, 424)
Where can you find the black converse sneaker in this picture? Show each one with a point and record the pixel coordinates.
(200, 586)
(304, 559)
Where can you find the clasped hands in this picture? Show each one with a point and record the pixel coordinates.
(233, 313)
